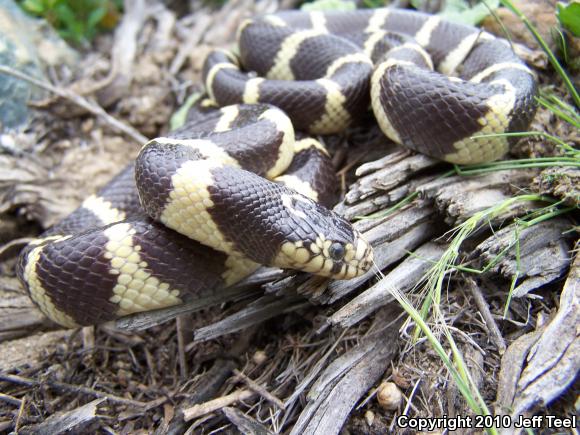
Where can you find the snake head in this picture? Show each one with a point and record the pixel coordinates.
(323, 243)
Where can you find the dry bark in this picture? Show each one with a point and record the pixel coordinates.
(543, 254)
(540, 365)
(72, 421)
(341, 385)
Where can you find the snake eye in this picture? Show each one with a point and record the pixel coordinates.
(336, 251)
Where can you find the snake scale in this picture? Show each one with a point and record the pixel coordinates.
(243, 183)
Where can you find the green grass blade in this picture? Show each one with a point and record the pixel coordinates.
(551, 57)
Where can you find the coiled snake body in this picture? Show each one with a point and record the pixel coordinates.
(235, 188)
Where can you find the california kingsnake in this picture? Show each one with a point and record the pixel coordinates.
(318, 68)
(115, 255)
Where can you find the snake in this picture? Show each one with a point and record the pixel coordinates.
(247, 181)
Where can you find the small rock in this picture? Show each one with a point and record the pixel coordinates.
(369, 417)
(389, 396)
(259, 357)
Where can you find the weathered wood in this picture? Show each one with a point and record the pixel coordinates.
(262, 391)
(74, 420)
(389, 159)
(116, 85)
(342, 384)
(245, 424)
(460, 197)
(260, 310)
(213, 405)
(21, 322)
(395, 172)
(207, 387)
(483, 307)
(539, 366)
(403, 277)
(382, 200)
(544, 253)
(390, 228)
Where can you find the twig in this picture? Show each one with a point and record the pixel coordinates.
(254, 386)
(93, 108)
(213, 405)
(184, 327)
(483, 308)
(9, 399)
(203, 22)
(72, 388)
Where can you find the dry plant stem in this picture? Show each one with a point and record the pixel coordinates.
(245, 424)
(254, 386)
(208, 386)
(93, 108)
(490, 322)
(72, 389)
(20, 414)
(219, 403)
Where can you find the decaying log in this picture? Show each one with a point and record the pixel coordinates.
(398, 167)
(539, 366)
(543, 253)
(459, 197)
(348, 377)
